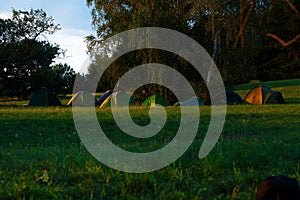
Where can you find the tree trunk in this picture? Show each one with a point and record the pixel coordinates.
(243, 25)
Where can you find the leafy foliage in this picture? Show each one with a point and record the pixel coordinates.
(243, 52)
(25, 59)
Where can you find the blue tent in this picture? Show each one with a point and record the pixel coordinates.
(103, 97)
(233, 98)
(193, 102)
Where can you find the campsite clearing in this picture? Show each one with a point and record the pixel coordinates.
(42, 157)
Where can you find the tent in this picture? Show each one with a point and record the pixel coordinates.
(44, 97)
(193, 102)
(153, 100)
(104, 96)
(233, 98)
(118, 99)
(263, 95)
(82, 99)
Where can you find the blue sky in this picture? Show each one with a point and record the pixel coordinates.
(75, 21)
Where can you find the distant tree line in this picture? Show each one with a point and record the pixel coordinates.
(248, 39)
(236, 33)
(27, 58)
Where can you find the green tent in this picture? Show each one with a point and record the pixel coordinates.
(82, 99)
(118, 99)
(263, 95)
(44, 97)
(153, 100)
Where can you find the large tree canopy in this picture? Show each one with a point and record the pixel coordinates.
(235, 33)
(26, 57)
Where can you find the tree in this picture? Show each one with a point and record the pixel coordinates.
(64, 77)
(233, 32)
(111, 17)
(274, 59)
(25, 58)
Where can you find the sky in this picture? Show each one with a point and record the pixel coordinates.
(74, 18)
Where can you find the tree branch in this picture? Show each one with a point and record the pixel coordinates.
(284, 44)
(278, 39)
(293, 8)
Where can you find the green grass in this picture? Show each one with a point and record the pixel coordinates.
(41, 156)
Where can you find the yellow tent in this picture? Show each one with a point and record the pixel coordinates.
(117, 99)
(263, 95)
(82, 99)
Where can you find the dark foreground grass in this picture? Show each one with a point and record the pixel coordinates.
(42, 157)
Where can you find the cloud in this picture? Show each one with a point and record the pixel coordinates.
(74, 18)
(5, 15)
(72, 40)
(69, 39)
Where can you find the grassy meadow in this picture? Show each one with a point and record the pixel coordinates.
(42, 157)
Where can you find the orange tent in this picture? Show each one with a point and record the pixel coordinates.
(263, 95)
